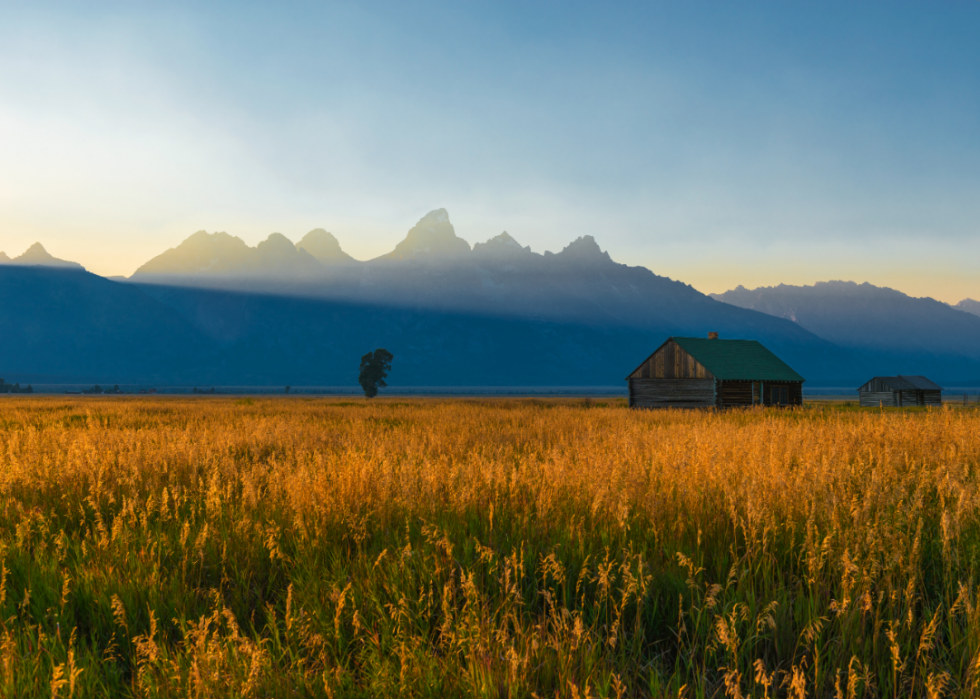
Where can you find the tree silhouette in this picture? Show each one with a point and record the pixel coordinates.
(374, 370)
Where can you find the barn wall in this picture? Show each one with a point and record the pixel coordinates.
(796, 393)
(671, 362)
(920, 397)
(870, 399)
(875, 385)
(671, 393)
(904, 399)
(732, 393)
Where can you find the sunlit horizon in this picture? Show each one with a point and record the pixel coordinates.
(719, 145)
(921, 285)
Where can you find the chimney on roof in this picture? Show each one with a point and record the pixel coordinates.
(712, 336)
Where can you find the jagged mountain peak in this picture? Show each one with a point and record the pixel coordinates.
(434, 217)
(202, 237)
(277, 250)
(324, 247)
(277, 244)
(37, 255)
(506, 239)
(432, 237)
(3, 258)
(584, 249)
(969, 306)
(832, 287)
(277, 255)
(503, 244)
(201, 253)
(205, 254)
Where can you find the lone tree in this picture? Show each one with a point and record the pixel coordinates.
(374, 370)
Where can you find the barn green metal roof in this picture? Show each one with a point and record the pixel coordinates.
(738, 360)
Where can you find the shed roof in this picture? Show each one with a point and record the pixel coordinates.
(906, 383)
(737, 360)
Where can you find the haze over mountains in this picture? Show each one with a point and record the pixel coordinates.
(220, 255)
(894, 331)
(36, 255)
(969, 305)
(214, 311)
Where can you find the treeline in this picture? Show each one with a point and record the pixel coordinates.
(14, 387)
(98, 389)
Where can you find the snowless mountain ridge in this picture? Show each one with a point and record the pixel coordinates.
(869, 319)
(37, 255)
(450, 307)
(969, 305)
(778, 300)
(432, 239)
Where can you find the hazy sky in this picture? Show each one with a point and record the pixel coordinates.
(720, 143)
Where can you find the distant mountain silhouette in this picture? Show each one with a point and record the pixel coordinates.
(36, 255)
(215, 311)
(72, 326)
(501, 247)
(222, 256)
(432, 238)
(324, 248)
(68, 323)
(497, 314)
(969, 306)
(895, 332)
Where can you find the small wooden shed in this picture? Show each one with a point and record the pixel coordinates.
(693, 372)
(900, 392)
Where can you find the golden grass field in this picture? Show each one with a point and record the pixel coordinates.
(297, 547)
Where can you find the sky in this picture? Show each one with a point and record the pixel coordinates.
(719, 143)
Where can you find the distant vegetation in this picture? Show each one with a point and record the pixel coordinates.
(281, 548)
(97, 389)
(374, 370)
(14, 387)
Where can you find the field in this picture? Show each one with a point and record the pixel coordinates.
(496, 548)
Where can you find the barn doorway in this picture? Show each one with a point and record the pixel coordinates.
(780, 395)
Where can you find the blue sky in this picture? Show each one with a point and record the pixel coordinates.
(720, 143)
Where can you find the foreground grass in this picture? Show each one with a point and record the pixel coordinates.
(290, 548)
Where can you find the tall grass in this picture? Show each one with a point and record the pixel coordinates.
(286, 548)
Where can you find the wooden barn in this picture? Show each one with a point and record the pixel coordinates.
(693, 372)
(900, 392)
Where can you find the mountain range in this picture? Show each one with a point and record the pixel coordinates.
(893, 331)
(36, 255)
(969, 305)
(215, 311)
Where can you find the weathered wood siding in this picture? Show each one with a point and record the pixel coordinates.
(872, 399)
(734, 393)
(671, 362)
(671, 393)
(900, 399)
(740, 393)
(875, 385)
(795, 393)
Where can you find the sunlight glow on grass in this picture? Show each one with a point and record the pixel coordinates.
(315, 547)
